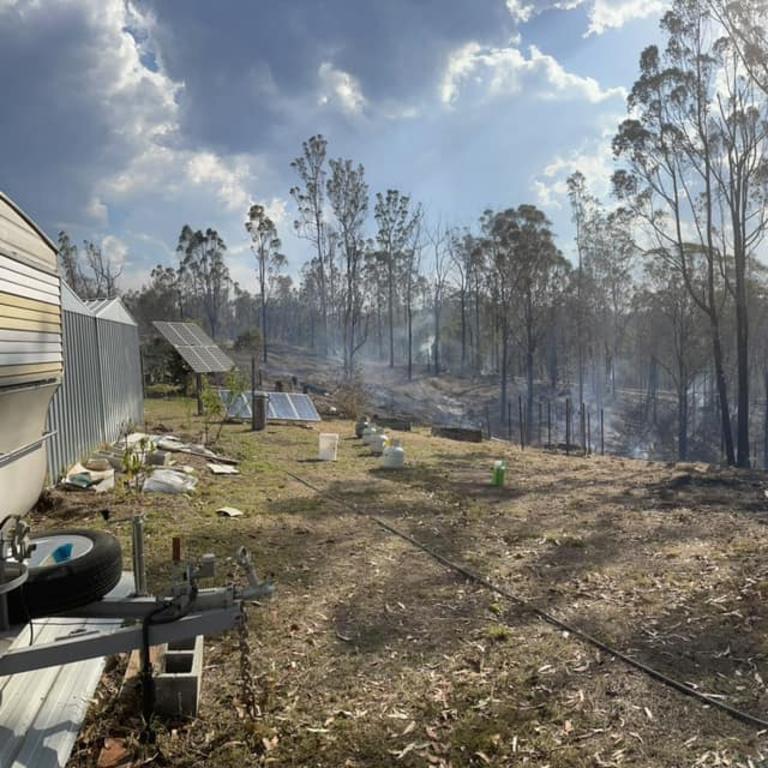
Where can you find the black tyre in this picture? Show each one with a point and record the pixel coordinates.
(70, 568)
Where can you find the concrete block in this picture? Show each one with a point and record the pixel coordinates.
(177, 686)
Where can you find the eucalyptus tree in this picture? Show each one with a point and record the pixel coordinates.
(438, 238)
(265, 245)
(582, 204)
(465, 249)
(413, 281)
(204, 272)
(396, 219)
(672, 337)
(668, 180)
(310, 224)
(540, 276)
(348, 195)
(746, 25)
(69, 262)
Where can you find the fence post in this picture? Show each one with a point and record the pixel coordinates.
(568, 426)
(540, 419)
(583, 427)
(589, 433)
(509, 421)
(253, 393)
(522, 425)
(549, 423)
(602, 434)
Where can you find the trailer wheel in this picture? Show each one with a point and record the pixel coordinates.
(68, 569)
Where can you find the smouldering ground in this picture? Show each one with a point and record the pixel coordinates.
(373, 655)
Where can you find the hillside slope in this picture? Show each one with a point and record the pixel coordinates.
(373, 654)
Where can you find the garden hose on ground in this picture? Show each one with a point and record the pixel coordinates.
(463, 570)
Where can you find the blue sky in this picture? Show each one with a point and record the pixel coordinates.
(122, 121)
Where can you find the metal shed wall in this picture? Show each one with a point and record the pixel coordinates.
(121, 385)
(76, 411)
(102, 388)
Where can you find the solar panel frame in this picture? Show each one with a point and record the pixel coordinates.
(194, 345)
(281, 406)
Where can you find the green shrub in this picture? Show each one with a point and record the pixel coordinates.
(162, 390)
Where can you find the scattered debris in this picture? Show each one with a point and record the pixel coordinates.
(223, 469)
(169, 481)
(81, 479)
(463, 434)
(229, 512)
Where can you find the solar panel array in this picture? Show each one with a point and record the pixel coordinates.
(281, 406)
(199, 351)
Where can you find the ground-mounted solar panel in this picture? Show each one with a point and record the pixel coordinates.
(194, 345)
(281, 406)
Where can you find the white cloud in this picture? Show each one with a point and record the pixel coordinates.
(602, 14)
(594, 159)
(494, 72)
(613, 14)
(340, 88)
(124, 73)
(115, 250)
(520, 11)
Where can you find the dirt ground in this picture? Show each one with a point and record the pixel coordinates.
(372, 654)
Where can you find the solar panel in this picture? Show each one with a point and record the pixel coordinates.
(281, 406)
(194, 345)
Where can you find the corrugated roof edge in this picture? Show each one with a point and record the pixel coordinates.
(29, 221)
(71, 302)
(111, 309)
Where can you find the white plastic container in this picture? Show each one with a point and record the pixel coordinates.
(368, 434)
(378, 443)
(393, 456)
(328, 446)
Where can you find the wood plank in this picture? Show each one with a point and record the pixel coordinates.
(26, 271)
(22, 358)
(32, 337)
(18, 285)
(23, 324)
(18, 235)
(7, 299)
(10, 371)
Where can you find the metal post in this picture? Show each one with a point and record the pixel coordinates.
(139, 564)
(540, 419)
(583, 427)
(509, 421)
(488, 421)
(4, 619)
(549, 423)
(602, 434)
(589, 433)
(567, 425)
(522, 424)
(199, 388)
(253, 394)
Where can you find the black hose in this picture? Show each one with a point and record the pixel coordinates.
(737, 714)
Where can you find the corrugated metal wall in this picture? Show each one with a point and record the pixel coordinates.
(121, 388)
(101, 390)
(76, 410)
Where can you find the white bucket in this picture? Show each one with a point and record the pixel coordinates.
(328, 446)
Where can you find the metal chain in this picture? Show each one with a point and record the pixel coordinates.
(248, 688)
